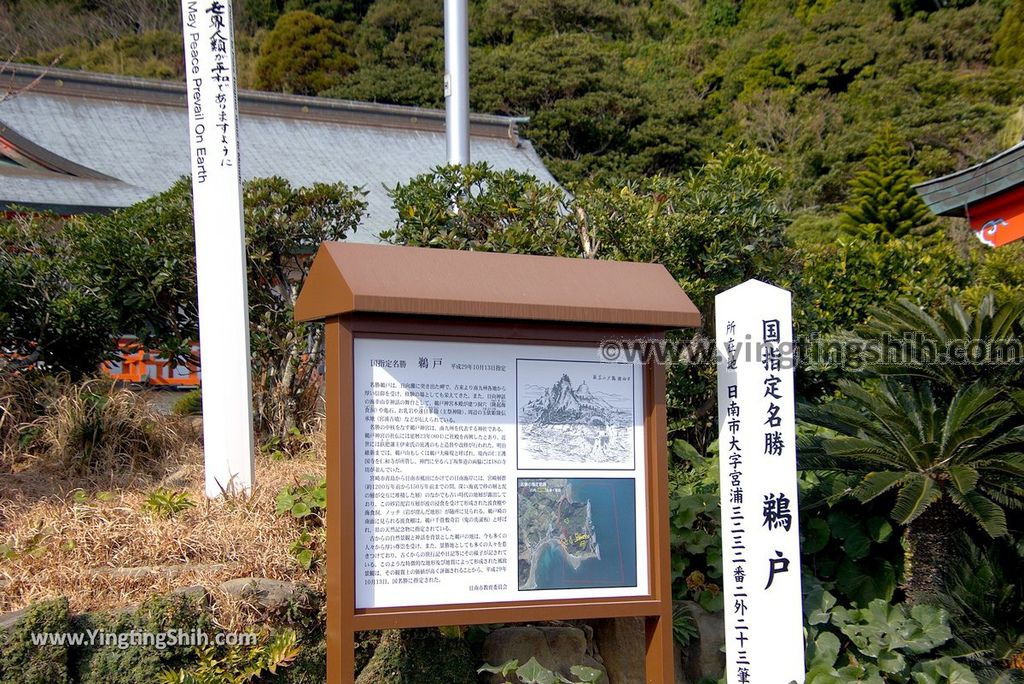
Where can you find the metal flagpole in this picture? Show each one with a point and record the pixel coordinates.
(456, 79)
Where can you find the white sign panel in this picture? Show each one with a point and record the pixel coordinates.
(496, 472)
(220, 245)
(757, 446)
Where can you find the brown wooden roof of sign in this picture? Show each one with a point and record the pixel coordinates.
(349, 278)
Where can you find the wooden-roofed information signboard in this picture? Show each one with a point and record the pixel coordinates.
(488, 459)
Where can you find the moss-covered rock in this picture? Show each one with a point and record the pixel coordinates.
(419, 656)
(134, 660)
(139, 645)
(24, 662)
(366, 645)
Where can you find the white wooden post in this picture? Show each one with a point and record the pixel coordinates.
(757, 451)
(220, 245)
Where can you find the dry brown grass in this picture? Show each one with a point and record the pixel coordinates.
(92, 426)
(79, 545)
(100, 427)
(22, 402)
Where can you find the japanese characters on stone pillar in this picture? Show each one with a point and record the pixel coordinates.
(757, 439)
(220, 244)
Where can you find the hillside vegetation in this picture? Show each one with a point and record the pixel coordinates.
(618, 89)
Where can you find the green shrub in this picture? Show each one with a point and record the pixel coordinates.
(52, 315)
(108, 664)
(189, 404)
(238, 664)
(1008, 49)
(22, 662)
(881, 643)
(849, 546)
(839, 282)
(695, 528)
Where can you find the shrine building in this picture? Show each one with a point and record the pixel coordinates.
(990, 195)
(79, 142)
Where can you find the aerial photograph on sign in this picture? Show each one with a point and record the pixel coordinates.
(576, 533)
(575, 415)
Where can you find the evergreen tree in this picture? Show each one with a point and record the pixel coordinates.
(1009, 39)
(884, 204)
(304, 54)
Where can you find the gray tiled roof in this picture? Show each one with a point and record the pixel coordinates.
(951, 195)
(119, 140)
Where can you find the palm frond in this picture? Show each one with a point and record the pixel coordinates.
(916, 494)
(989, 515)
(964, 478)
(877, 483)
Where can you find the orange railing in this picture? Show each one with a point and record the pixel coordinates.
(146, 367)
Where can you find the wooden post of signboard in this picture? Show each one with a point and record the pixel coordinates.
(443, 318)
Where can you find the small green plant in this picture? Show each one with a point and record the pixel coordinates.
(882, 643)
(80, 497)
(306, 502)
(303, 499)
(291, 445)
(696, 532)
(307, 550)
(189, 404)
(684, 627)
(238, 665)
(165, 503)
(534, 673)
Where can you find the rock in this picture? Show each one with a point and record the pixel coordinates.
(168, 571)
(272, 595)
(704, 656)
(196, 592)
(677, 657)
(419, 656)
(557, 648)
(8, 620)
(622, 643)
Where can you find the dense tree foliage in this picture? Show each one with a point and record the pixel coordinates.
(618, 89)
(304, 54)
(68, 288)
(51, 315)
(1009, 39)
(712, 228)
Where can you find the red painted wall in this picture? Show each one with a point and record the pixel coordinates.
(1000, 219)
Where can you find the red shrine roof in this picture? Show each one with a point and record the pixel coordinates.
(952, 195)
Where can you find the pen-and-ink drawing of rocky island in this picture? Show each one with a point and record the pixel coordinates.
(576, 423)
(552, 521)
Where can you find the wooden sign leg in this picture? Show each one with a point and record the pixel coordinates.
(659, 664)
(341, 658)
(341, 637)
